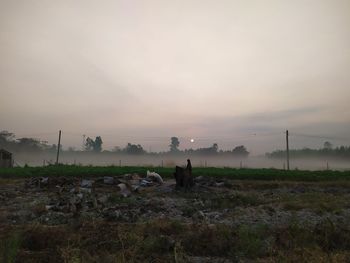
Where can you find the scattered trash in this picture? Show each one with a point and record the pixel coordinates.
(155, 177)
(70, 197)
(145, 183)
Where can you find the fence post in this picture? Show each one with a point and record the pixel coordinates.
(287, 148)
(58, 147)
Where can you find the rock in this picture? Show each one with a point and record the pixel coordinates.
(54, 218)
(198, 179)
(166, 243)
(49, 207)
(86, 183)
(108, 180)
(131, 176)
(145, 183)
(124, 191)
(220, 184)
(44, 180)
(198, 216)
(112, 214)
(136, 188)
(199, 203)
(166, 189)
(102, 199)
(85, 190)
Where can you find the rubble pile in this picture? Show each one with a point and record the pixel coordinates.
(139, 198)
(209, 181)
(75, 197)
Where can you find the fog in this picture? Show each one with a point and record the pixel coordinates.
(107, 159)
(188, 68)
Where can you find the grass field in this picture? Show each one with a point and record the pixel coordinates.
(229, 173)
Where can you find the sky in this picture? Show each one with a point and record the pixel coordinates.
(229, 71)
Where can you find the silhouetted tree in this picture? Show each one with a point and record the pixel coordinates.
(215, 148)
(71, 149)
(89, 144)
(175, 143)
(6, 136)
(93, 145)
(116, 149)
(133, 149)
(98, 144)
(7, 140)
(240, 151)
(208, 151)
(341, 151)
(327, 145)
(29, 144)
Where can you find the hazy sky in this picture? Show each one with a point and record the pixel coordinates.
(227, 71)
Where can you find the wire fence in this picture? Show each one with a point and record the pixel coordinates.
(257, 143)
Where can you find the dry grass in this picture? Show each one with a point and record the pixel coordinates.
(171, 241)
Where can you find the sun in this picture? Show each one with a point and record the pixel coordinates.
(192, 140)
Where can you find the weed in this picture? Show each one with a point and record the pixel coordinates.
(252, 241)
(318, 202)
(9, 247)
(233, 200)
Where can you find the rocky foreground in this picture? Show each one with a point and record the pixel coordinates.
(134, 218)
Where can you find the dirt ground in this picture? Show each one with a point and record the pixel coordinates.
(134, 219)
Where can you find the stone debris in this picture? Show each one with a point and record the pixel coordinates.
(198, 217)
(123, 189)
(138, 198)
(108, 180)
(209, 181)
(86, 183)
(37, 182)
(79, 197)
(146, 182)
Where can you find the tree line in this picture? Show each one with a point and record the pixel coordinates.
(9, 142)
(326, 151)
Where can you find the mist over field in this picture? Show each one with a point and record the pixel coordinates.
(107, 159)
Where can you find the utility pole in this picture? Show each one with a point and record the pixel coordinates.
(58, 147)
(287, 148)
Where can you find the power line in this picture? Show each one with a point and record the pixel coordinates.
(319, 136)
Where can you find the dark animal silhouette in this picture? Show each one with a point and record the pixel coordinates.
(183, 176)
